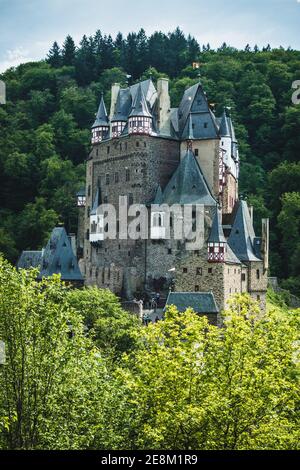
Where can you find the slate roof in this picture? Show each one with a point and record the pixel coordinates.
(224, 129)
(188, 185)
(204, 123)
(127, 98)
(58, 257)
(81, 192)
(200, 302)
(140, 107)
(242, 236)
(101, 116)
(30, 259)
(216, 233)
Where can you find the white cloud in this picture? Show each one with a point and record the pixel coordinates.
(14, 57)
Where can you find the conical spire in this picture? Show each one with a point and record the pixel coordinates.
(101, 116)
(140, 107)
(225, 126)
(216, 233)
(241, 239)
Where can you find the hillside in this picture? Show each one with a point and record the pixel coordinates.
(45, 129)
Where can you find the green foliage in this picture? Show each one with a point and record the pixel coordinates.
(53, 374)
(111, 328)
(193, 386)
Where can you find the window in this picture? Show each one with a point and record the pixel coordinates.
(210, 270)
(145, 144)
(199, 271)
(257, 274)
(243, 277)
(197, 288)
(130, 199)
(258, 297)
(196, 152)
(107, 178)
(185, 270)
(108, 150)
(120, 147)
(105, 199)
(127, 174)
(137, 144)
(205, 125)
(89, 190)
(169, 251)
(97, 152)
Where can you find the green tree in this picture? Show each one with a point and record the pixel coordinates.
(194, 386)
(53, 376)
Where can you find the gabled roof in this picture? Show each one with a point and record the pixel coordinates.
(97, 202)
(242, 235)
(224, 126)
(101, 116)
(188, 185)
(140, 107)
(30, 259)
(216, 233)
(58, 257)
(203, 121)
(200, 302)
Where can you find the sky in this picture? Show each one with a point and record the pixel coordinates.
(28, 28)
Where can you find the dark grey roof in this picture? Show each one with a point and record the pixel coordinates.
(216, 232)
(188, 185)
(224, 126)
(127, 97)
(191, 133)
(97, 202)
(81, 192)
(242, 235)
(231, 129)
(140, 107)
(200, 302)
(30, 259)
(123, 105)
(58, 257)
(203, 120)
(101, 116)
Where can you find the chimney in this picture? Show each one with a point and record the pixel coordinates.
(114, 96)
(164, 106)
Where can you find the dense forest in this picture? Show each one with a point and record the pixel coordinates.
(51, 104)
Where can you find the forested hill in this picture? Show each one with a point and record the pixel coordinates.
(45, 129)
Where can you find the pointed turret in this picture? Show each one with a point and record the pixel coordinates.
(216, 241)
(224, 125)
(100, 128)
(242, 235)
(140, 118)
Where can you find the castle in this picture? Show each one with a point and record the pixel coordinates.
(145, 152)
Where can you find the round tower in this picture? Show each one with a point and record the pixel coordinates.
(100, 128)
(140, 119)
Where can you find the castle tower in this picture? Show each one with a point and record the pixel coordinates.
(100, 128)
(140, 118)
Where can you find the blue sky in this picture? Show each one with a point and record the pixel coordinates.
(29, 27)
